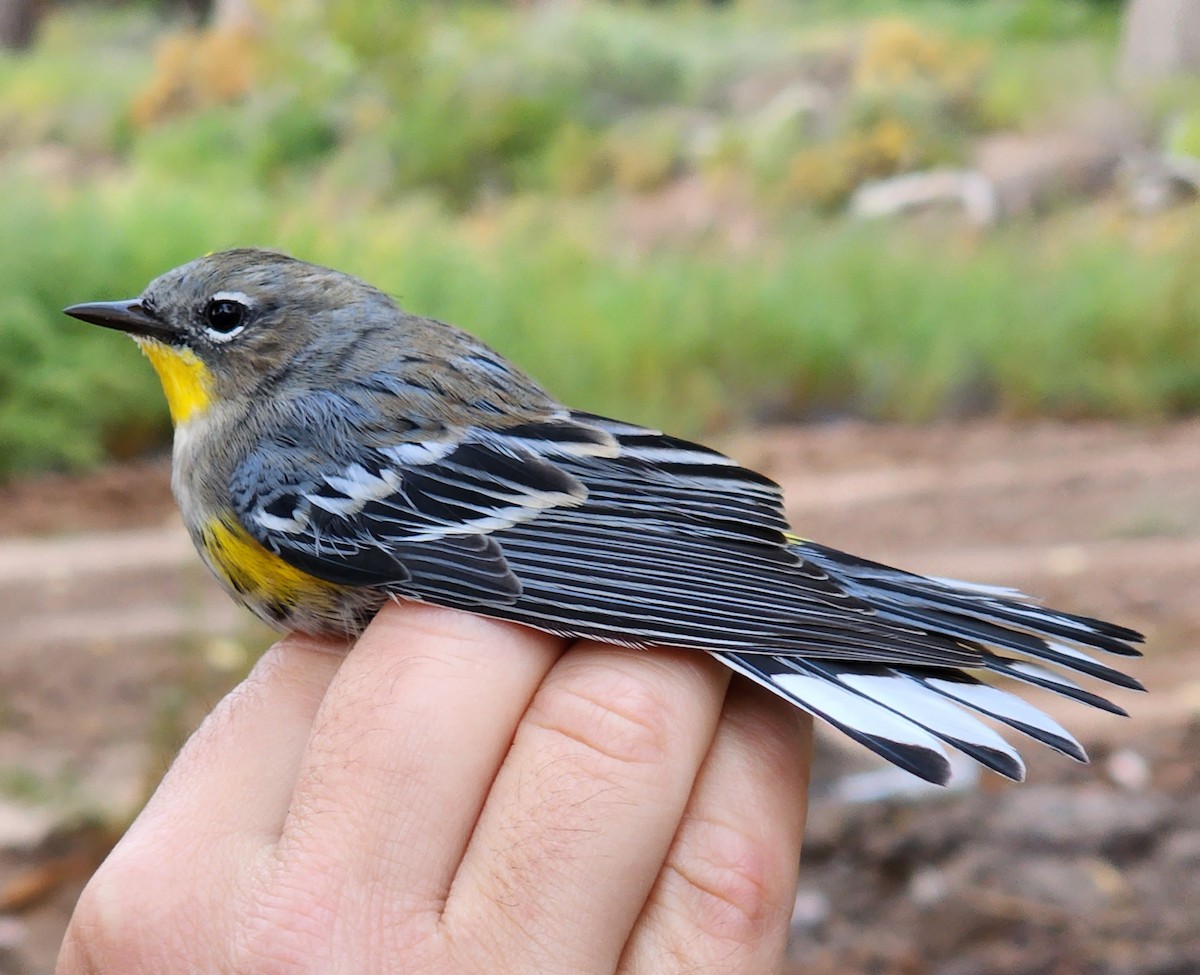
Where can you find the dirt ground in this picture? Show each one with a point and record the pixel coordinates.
(115, 643)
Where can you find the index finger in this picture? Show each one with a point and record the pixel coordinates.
(233, 779)
(403, 752)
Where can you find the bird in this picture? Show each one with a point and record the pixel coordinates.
(333, 451)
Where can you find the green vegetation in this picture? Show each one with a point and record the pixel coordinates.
(513, 171)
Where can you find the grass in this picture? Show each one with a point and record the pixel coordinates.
(339, 150)
(860, 320)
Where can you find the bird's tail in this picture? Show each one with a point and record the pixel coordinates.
(906, 712)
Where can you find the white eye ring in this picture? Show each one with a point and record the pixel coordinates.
(231, 297)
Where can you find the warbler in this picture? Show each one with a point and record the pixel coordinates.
(333, 451)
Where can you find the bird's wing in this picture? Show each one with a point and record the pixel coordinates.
(589, 527)
(573, 523)
(903, 712)
(584, 526)
(410, 515)
(676, 544)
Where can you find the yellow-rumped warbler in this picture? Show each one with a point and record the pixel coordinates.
(332, 451)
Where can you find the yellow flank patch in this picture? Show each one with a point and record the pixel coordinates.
(251, 570)
(185, 379)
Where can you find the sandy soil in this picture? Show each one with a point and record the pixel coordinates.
(115, 643)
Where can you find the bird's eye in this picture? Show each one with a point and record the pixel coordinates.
(224, 316)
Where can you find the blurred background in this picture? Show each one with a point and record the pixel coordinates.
(933, 265)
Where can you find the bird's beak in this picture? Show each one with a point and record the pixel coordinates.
(125, 316)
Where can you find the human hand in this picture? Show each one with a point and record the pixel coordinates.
(460, 795)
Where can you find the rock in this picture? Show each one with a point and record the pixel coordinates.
(970, 191)
(822, 75)
(928, 887)
(24, 827)
(801, 106)
(809, 910)
(890, 783)
(113, 786)
(1157, 960)
(1080, 159)
(1159, 39)
(827, 829)
(14, 938)
(18, 20)
(1157, 181)
(962, 913)
(1182, 849)
(1128, 769)
(1031, 173)
(1089, 820)
(685, 209)
(12, 933)
(1076, 886)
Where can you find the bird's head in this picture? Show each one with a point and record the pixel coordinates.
(221, 326)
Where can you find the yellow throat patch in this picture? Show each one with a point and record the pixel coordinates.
(186, 380)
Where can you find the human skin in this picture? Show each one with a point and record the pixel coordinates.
(461, 795)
